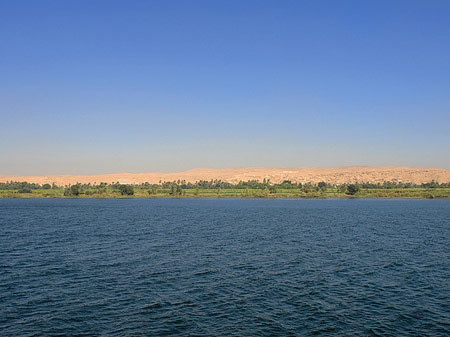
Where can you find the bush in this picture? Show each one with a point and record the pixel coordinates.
(126, 190)
(25, 189)
(176, 190)
(352, 189)
(74, 190)
(322, 185)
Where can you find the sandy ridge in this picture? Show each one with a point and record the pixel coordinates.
(335, 175)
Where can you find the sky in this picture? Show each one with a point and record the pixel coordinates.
(92, 86)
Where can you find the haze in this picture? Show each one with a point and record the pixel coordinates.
(96, 87)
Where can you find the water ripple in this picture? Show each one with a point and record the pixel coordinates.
(224, 267)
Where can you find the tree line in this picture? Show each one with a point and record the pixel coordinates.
(217, 183)
(177, 187)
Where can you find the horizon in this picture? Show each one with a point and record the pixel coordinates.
(101, 87)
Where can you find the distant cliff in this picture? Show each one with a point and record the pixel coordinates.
(333, 175)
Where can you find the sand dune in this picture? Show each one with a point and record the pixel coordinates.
(338, 175)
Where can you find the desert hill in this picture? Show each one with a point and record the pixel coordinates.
(337, 175)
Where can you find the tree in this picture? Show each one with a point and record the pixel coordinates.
(153, 191)
(126, 190)
(176, 190)
(75, 189)
(72, 190)
(352, 189)
(25, 189)
(322, 185)
(46, 186)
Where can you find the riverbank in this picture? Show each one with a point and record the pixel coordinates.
(415, 193)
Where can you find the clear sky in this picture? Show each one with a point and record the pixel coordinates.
(89, 87)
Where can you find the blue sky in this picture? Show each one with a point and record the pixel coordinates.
(89, 87)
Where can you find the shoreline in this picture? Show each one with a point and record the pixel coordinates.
(239, 197)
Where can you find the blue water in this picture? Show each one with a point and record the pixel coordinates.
(224, 267)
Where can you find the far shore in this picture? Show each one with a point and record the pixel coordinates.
(416, 193)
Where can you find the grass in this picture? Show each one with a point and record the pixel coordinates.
(416, 193)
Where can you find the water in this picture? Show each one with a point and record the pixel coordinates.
(224, 267)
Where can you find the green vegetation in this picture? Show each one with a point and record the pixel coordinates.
(221, 189)
(25, 189)
(126, 190)
(352, 189)
(72, 191)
